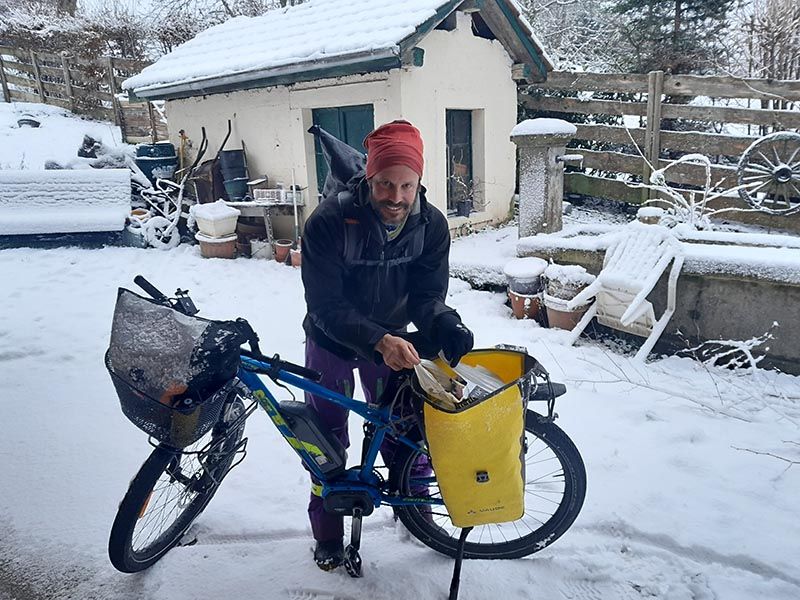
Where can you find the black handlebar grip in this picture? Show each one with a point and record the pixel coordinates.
(311, 374)
(148, 287)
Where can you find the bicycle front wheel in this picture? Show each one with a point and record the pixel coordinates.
(555, 487)
(170, 490)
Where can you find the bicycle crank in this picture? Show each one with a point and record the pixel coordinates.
(352, 558)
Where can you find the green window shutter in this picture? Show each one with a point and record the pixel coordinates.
(351, 124)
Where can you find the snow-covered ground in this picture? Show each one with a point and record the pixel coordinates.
(57, 138)
(692, 489)
(679, 503)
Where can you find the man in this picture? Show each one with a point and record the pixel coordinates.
(375, 258)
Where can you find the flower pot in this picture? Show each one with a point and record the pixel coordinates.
(525, 306)
(236, 188)
(296, 257)
(282, 248)
(463, 208)
(559, 316)
(211, 247)
(524, 275)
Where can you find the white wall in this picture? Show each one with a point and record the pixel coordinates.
(460, 71)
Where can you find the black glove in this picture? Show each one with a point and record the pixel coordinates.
(453, 336)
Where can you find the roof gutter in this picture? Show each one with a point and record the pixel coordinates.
(383, 59)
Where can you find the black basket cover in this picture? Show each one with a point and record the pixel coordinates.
(170, 357)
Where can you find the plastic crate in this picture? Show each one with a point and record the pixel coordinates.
(279, 196)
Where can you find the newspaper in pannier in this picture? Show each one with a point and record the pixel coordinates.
(169, 369)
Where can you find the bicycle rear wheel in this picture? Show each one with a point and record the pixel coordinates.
(171, 489)
(555, 487)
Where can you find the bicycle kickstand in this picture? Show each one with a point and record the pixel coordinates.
(352, 559)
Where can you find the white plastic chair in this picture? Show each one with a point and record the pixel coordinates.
(632, 266)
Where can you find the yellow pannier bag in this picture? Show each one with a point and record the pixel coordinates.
(476, 444)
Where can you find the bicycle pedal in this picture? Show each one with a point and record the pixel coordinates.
(352, 562)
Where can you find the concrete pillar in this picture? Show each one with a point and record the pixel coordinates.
(542, 146)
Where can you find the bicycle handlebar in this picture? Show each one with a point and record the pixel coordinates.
(283, 365)
(151, 290)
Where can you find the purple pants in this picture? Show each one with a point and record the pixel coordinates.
(337, 375)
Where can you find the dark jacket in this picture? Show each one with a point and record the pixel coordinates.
(358, 285)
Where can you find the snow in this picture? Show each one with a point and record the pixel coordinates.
(57, 138)
(572, 275)
(214, 211)
(650, 212)
(544, 126)
(770, 257)
(64, 201)
(679, 504)
(525, 269)
(313, 31)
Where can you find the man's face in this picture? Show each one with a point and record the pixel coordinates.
(392, 193)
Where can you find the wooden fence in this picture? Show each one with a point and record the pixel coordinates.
(87, 87)
(649, 101)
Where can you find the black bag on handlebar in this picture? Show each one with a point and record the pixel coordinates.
(170, 369)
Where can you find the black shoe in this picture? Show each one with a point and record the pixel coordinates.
(329, 555)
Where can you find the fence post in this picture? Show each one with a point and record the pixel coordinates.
(652, 138)
(68, 80)
(112, 86)
(3, 81)
(152, 117)
(38, 75)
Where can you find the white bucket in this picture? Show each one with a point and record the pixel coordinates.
(260, 249)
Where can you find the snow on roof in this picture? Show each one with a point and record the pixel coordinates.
(312, 31)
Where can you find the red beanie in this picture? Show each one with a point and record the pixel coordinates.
(393, 144)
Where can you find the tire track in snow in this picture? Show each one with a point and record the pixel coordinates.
(695, 552)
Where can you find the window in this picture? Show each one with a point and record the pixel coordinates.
(351, 124)
(459, 161)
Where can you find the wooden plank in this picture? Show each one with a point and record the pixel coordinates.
(4, 81)
(67, 81)
(54, 88)
(610, 134)
(710, 144)
(62, 102)
(601, 187)
(38, 75)
(730, 87)
(652, 138)
(683, 174)
(20, 96)
(782, 119)
(17, 53)
(112, 88)
(51, 72)
(596, 82)
(585, 107)
(14, 65)
(21, 81)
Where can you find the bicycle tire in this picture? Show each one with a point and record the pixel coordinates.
(186, 490)
(431, 525)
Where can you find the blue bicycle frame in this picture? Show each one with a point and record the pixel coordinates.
(357, 479)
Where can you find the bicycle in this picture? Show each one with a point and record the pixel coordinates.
(175, 484)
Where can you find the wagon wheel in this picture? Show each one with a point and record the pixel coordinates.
(770, 170)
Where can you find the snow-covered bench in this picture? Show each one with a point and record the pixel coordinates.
(64, 201)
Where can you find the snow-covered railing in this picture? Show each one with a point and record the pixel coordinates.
(64, 201)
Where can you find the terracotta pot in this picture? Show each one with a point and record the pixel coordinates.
(217, 247)
(525, 306)
(558, 316)
(282, 248)
(296, 257)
